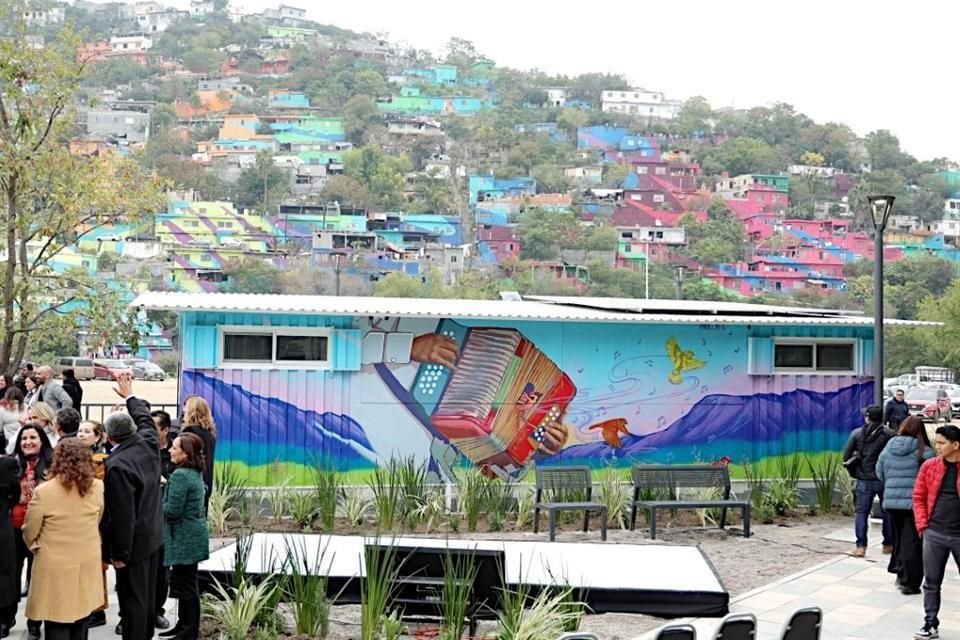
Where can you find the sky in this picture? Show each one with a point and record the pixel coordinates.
(871, 65)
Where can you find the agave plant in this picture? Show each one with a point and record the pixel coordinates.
(236, 608)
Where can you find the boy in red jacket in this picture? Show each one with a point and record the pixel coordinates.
(936, 510)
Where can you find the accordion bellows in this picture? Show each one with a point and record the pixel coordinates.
(496, 405)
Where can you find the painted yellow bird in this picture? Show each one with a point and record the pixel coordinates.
(683, 361)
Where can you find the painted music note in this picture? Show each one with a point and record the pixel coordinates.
(737, 350)
(704, 389)
(611, 387)
(703, 342)
(649, 363)
(727, 369)
(616, 355)
(661, 421)
(709, 353)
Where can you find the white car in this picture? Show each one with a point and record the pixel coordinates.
(230, 242)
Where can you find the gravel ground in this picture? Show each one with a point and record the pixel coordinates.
(772, 552)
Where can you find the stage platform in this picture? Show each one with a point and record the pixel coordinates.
(662, 580)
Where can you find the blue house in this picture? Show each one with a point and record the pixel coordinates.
(298, 381)
(489, 188)
(551, 129)
(601, 138)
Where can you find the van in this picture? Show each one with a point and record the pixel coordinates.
(82, 367)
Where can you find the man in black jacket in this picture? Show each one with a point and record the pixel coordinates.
(72, 386)
(132, 524)
(860, 456)
(896, 411)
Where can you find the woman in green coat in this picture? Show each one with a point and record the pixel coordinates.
(186, 541)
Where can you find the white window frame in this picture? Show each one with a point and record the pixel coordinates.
(274, 363)
(813, 342)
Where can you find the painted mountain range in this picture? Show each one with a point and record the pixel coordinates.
(259, 430)
(739, 426)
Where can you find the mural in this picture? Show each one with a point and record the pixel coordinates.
(507, 396)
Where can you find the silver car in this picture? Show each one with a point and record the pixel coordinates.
(145, 370)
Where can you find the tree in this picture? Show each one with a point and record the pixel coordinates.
(162, 117)
(402, 285)
(382, 175)
(51, 198)
(541, 231)
(885, 153)
(359, 114)
(718, 240)
(262, 185)
(614, 175)
(461, 53)
(694, 116)
(251, 275)
(347, 191)
(204, 60)
(738, 156)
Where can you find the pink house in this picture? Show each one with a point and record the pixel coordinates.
(498, 242)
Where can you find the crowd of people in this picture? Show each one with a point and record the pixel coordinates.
(917, 485)
(78, 497)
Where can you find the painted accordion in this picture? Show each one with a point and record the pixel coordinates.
(496, 405)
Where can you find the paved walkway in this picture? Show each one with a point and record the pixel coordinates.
(857, 596)
(858, 599)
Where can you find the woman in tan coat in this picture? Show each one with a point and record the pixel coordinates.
(62, 530)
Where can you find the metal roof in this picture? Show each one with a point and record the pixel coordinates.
(558, 309)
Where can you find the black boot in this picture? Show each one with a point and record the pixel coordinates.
(188, 618)
(33, 630)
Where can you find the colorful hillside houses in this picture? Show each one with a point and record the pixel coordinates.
(496, 243)
(550, 129)
(411, 102)
(283, 99)
(601, 138)
(483, 188)
(438, 75)
(736, 187)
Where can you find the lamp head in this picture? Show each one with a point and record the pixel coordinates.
(880, 208)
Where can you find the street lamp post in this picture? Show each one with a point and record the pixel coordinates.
(880, 208)
(338, 257)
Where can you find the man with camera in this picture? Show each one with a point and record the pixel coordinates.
(860, 459)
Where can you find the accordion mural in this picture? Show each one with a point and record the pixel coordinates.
(508, 396)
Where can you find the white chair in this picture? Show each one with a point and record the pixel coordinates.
(578, 635)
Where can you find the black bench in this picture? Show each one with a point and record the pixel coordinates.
(560, 481)
(669, 478)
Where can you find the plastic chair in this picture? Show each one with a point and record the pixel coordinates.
(677, 632)
(737, 626)
(578, 635)
(804, 624)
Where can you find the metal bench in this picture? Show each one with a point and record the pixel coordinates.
(670, 478)
(558, 481)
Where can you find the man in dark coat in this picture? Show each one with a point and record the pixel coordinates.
(72, 386)
(9, 579)
(896, 411)
(860, 456)
(132, 525)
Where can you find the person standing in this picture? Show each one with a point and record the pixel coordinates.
(34, 454)
(72, 386)
(186, 540)
(896, 410)
(198, 420)
(9, 578)
(91, 434)
(61, 530)
(936, 508)
(897, 468)
(860, 457)
(162, 421)
(50, 390)
(132, 527)
(11, 410)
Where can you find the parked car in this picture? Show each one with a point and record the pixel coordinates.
(145, 370)
(929, 404)
(109, 369)
(953, 390)
(82, 367)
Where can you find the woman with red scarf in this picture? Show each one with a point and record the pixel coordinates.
(34, 453)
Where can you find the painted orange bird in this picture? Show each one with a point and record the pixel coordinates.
(611, 430)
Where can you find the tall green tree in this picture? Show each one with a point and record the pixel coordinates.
(263, 185)
(51, 198)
